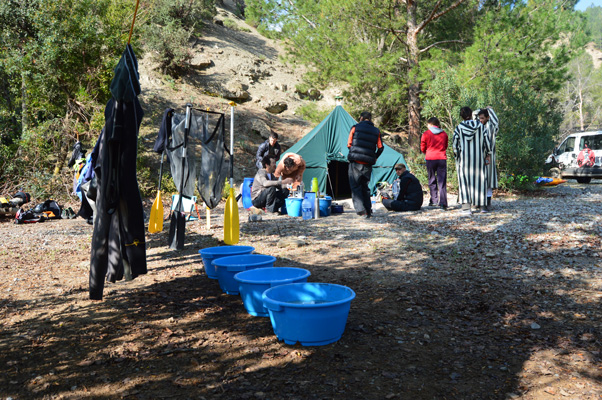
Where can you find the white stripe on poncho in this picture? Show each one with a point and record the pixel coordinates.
(493, 127)
(471, 145)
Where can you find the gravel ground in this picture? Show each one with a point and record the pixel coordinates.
(503, 305)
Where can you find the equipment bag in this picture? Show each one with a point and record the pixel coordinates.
(51, 209)
(28, 217)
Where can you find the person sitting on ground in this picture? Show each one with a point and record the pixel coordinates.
(291, 166)
(391, 191)
(269, 147)
(410, 192)
(267, 191)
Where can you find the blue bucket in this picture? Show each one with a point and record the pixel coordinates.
(293, 206)
(213, 253)
(325, 203)
(253, 283)
(313, 314)
(227, 267)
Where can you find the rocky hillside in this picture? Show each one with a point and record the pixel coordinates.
(232, 61)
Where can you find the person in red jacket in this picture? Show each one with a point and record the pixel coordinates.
(586, 157)
(434, 145)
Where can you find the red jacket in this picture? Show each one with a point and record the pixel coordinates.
(433, 145)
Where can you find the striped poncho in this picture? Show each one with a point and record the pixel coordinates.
(492, 129)
(470, 146)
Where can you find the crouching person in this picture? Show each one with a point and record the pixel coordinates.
(267, 191)
(410, 192)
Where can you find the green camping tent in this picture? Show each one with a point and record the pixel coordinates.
(324, 150)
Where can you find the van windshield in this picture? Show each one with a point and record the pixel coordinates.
(567, 145)
(594, 142)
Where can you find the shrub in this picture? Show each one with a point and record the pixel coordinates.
(170, 27)
(230, 24)
(312, 113)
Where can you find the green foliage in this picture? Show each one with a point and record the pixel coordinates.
(226, 189)
(528, 120)
(581, 95)
(530, 41)
(593, 24)
(169, 43)
(520, 182)
(230, 24)
(302, 87)
(312, 113)
(170, 26)
(55, 70)
(260, 14)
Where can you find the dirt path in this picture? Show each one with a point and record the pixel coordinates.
(494, 306)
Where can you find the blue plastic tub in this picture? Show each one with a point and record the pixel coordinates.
(253, 283)
(227, 267)
(325, 203)
(293, 206)
(313, 314)
(213, 253)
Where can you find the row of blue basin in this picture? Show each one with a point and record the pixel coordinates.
(313, 314)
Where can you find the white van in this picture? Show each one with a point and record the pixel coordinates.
(567, 160)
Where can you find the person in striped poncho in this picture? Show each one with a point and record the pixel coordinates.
(488, 118)
(471, 148)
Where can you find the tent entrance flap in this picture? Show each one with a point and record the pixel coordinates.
(339, 178)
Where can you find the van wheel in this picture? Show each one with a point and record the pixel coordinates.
(584, 180)
(555, 173)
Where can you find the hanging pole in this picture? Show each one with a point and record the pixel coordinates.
(232, 105)
(133, 21)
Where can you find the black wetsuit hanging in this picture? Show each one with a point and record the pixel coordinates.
(118, 247)
(205, 152)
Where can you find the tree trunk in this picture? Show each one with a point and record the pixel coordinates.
(61, 157)
(580, 93)
(581, 110)
(413, 82)
(24, 121)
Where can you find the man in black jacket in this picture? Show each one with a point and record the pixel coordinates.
(269, 147)
(410, 192)
(365, 146)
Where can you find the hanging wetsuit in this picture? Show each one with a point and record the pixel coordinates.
(118, 247)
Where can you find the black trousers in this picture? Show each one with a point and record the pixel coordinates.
(397, 205)
(272, 198)
(359, 178)
(437, 170)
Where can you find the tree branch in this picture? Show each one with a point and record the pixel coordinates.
(434, 16)
(379, 27)
(313, 25)
(427, 48)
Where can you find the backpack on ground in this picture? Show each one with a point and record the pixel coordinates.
(51, 209)
(28, 217)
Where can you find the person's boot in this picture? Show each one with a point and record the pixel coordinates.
(466, 209)
(488, 206)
